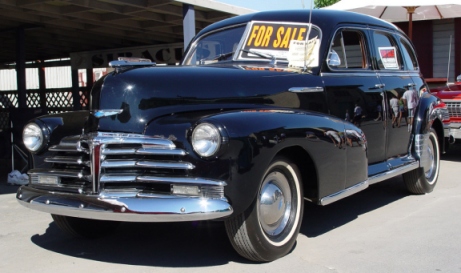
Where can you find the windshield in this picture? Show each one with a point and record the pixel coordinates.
(259, 41)
(217, 46)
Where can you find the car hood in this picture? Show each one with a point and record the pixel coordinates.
(144, 94)
(449, 92)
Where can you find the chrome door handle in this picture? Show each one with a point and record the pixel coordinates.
(378, 86)
(306, 89)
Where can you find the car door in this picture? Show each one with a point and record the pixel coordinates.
(395, 79)
(411, 64)
(352, 86)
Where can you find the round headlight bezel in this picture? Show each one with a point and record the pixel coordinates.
(34, 130)
(206, 139)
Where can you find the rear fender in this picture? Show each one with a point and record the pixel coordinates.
(428, 112)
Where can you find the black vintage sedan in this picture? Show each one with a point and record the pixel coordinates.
(265, 112)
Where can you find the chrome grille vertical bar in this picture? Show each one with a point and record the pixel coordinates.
(95, 154)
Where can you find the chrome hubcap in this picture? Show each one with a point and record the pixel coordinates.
(274, 203)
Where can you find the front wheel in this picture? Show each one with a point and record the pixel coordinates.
(424, 179)
(268, 229)
(87, 228)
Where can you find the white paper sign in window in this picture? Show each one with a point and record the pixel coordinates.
(388, 57)
(304, 54)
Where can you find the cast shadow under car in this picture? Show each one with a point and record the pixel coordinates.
(454, 152)
(319, 220)
(205, 243)
(175, 245)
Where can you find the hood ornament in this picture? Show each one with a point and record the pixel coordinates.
(106, 112)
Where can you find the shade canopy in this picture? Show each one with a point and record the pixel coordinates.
(403, 10)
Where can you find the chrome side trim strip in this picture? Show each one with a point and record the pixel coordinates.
(371, 180)
(344, 193)
(127, 207)
(146, 164)
(398, 171)
(354, 73)
(393, 73)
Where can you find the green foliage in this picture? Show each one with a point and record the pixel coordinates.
(324, 3)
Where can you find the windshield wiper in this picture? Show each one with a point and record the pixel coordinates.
(220, 57)
(224, 56)
(262, 55)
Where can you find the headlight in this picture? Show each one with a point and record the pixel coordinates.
(206, 139)
(32, 137)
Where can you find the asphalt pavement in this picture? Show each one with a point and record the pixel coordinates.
(381, 229)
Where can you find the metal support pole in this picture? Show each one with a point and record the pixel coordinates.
(188, 24)
(21, 67)
(75, 90)
(42, 84)
(89, 85)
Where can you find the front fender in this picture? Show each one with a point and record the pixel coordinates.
(58, 126)
(257, 136)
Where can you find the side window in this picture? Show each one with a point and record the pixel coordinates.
(386, 51)
(348, 50)
(409, 55)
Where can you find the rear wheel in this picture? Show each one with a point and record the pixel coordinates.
(424, 179)
(268, 229)
(87, 228)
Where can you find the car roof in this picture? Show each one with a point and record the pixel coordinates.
(325, 19)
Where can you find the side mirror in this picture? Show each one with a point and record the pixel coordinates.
(458, 79)
(333, 59)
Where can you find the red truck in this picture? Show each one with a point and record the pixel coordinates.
(450, 94)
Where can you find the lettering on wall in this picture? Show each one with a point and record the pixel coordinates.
(170, 54)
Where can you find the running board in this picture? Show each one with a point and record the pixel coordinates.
(363, 185)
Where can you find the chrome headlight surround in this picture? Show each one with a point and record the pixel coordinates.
(35, 136)
(206, 139)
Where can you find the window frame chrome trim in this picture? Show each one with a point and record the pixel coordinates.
(369, 66)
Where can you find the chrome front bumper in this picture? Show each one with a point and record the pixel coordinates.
(125, 206)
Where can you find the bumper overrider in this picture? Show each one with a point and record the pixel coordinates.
(122, 177)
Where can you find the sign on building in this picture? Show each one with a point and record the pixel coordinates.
(161, 54)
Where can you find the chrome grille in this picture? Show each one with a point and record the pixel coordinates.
(454, 108)
(99, 161)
